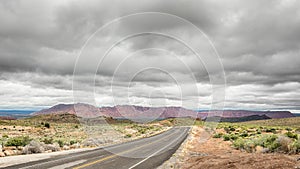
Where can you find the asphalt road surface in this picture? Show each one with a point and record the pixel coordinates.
(143, 153)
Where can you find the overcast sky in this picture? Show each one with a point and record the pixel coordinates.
(257, 43)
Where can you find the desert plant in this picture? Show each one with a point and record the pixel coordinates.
(61, 143)
(268, 141)
(285, 143)
(47, 140)
(217, 135)
(47, 125)
(244, 134)
(296, 146)
(226, 137)
(72, 142)
(18, 141)
(239, 143)
(128, 135)
(291, 135)
(227, 129)
(289, 129)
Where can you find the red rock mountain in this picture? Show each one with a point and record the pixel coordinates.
(128, 111)
(120, 111)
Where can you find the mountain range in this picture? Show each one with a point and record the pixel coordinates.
(131, 111)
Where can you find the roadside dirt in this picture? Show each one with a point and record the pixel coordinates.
(218, 154)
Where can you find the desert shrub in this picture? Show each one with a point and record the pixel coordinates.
(271, 130)
(47, 125)
(271, 142)
(227, 129)
(291, 135)
(217, 135)
(5, 136)
(289, 129)
(268, 141)
(244, 134)
(47, 140)
(60, 142)
(284, 143)
(250, 145)
(233, 137)
(239, 143)
(296, 146)
(18, 141)
(258, 131)
(76, 127)
(245, 144)
(231, 128)
(226, 137)
(72, 142)
(128, 135)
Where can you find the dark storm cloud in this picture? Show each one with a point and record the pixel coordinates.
(258, 42)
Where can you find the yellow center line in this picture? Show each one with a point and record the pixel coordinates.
(123, 152)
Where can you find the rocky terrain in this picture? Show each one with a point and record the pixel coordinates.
(55, 132)
(215, 153)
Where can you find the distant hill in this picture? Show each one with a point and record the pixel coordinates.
(16, 113)
(288, 122)
(245, 113)
(7, 118)
(238, 119)
(130, 111)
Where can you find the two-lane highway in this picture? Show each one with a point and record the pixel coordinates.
(142, 153)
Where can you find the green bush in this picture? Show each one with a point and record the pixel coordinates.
(271, 130)
(291, 135)
(47, 140)
(267, 141)
(296, 146)
(128, 135)
(61, 143)
(233, 137)
(227, 129)
(239, 143)
(226, 137)
(289, 129)
(231, 128)
(244, 134)
(72, 142)
(47, 125)
(18, 141)
(217, 135)
(245, 144)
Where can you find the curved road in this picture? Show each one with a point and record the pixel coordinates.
(143, 153)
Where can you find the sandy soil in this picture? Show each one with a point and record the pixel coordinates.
(218, 154)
